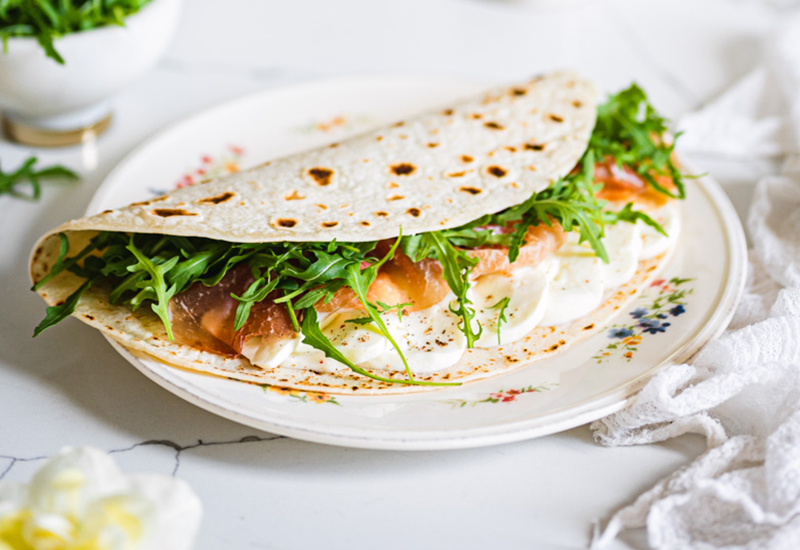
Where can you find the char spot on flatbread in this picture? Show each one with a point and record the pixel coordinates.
(393, 185)
(169, 212)
(589, 327)
(577, 104)
(365, 223)
(415, 212)
(218, 199)
(510, 148)
(106, 212)
(433, 145)
(322, 206)
(466, 158)
(518, 91)
(471, 190)
(294, 196)
(456, 174)
(555, 118)
(395, 197)
(322, 176)
(333, 145)
(143, 203)
(286, 222)
(497, 171)
(493, 125)
(403, 169)
(448, 112)
(535, 146)
(381, 214)
(398, 124)
(379, 138)
(329, 225)
(476, 116)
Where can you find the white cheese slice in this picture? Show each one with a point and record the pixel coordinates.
(577, 287)
(306, 357)
(526, 290)
(268, 353)
(358, 343)
(430, 340)
(623, 243)
(654, 243)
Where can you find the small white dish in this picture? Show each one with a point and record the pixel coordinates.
(593, 378)
(37, 93)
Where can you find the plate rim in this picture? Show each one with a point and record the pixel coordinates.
(610, 401)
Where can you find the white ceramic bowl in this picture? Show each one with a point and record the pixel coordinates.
(37, 91)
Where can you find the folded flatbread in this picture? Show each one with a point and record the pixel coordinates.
(436, 172)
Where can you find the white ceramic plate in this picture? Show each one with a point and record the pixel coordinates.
(692, 302)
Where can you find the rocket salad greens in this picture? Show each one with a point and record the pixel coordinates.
(47, 20)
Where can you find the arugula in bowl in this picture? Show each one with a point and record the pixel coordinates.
(47, 20)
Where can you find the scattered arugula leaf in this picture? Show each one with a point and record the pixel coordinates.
(27, 174)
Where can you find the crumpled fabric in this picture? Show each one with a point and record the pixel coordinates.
(742, 391)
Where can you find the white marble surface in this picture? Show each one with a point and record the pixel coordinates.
(68, 387)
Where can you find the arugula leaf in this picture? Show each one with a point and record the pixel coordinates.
(256, 292)
(384, 308)
(628, 214)
(359, 281)
(314, 337)
(456, 267)
(56, 314)
(501, 318)
(11, 182)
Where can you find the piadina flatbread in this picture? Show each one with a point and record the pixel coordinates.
(433, 172)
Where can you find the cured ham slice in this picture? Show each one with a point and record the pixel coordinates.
(399, 281)
(623, 184)
(540, 241)
(204, 317)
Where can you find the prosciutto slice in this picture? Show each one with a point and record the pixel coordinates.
(204, 317)
(622, 184)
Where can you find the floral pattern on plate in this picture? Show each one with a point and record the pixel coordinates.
(338, 122)
(304, 396)
(669, 302)
(502, 396)
(227, 162)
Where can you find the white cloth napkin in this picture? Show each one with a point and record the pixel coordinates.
(743, 390)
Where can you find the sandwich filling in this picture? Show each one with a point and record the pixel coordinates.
(414, 303)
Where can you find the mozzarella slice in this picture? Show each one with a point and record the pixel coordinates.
(654, 243)
(576, 289)
(526, 290)
(430, 340)
(358, 343)
(623, 242)
(268, 353)
(306, 357)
